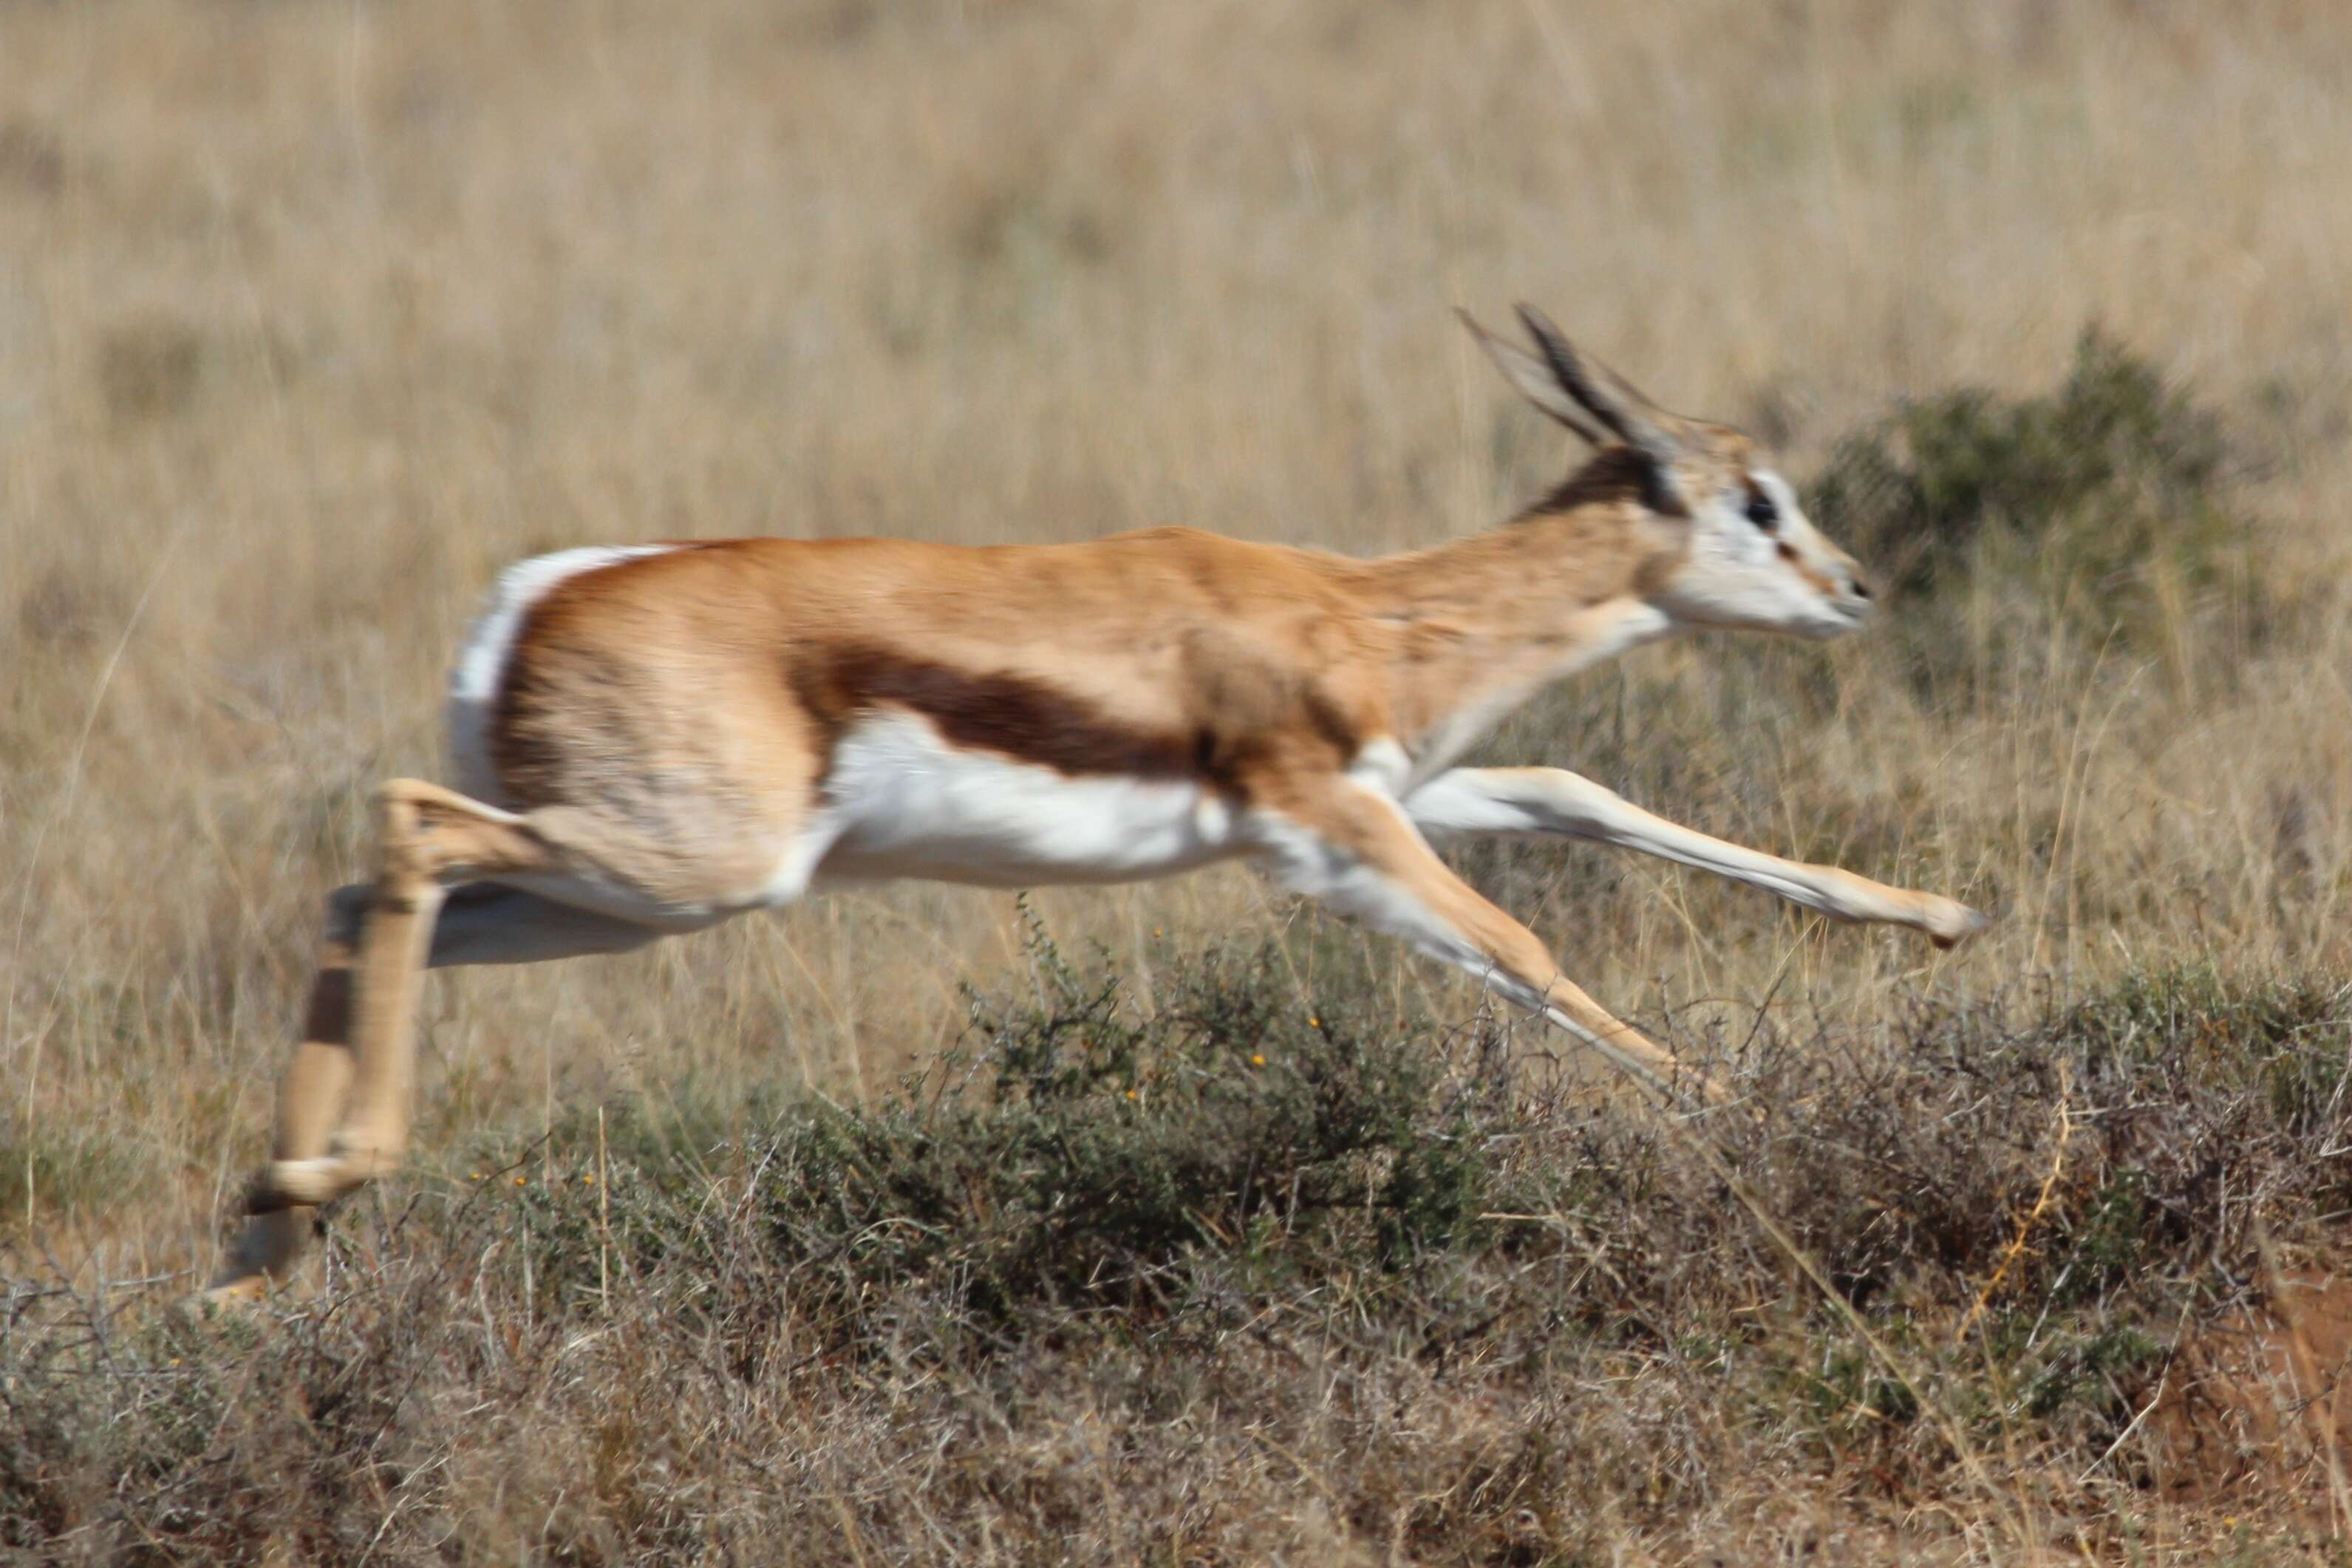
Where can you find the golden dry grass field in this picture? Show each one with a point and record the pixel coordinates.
(312, 316)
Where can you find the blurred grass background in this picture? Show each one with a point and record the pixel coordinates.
(313, 316)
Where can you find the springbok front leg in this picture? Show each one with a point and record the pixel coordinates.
(1353, 848)
(1555, 801)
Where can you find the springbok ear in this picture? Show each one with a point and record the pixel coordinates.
(1533, 378)
(1607, 396)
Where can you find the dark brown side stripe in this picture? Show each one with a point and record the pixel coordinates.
(1011, 715)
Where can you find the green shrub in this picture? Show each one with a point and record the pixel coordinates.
(1076, 1148)
(1073, 1152)
(2092, 497)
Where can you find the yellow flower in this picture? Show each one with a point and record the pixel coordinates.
(1258, 1061)
(519, 1180)
(1313, 1022)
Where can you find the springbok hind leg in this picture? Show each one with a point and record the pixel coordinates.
(357, 1041)
(309, 1097)
(359, 1044)
(428, 839)
(480, 922)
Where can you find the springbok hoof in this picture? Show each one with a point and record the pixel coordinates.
(268, 1249)
(1950, 924)
(288, 1183)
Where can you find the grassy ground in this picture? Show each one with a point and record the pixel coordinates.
(311, 317)
(1231, 1279)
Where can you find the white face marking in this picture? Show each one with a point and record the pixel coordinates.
(906, 803)
(1768, 579)
(481, 663)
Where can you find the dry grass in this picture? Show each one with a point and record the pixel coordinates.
(1232, 1279)
(311, 317)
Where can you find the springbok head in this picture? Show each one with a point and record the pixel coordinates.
(1738, 550)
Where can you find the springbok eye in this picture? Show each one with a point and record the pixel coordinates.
(1762, 511)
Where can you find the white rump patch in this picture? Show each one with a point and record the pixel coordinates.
(903, 802)
(481, 663)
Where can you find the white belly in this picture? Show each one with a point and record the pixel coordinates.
(901, 802)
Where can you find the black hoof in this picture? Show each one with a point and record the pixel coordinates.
(261, 1199)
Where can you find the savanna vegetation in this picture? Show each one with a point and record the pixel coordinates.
(1178, 1224)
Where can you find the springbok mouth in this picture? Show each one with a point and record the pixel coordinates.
(1845, 616)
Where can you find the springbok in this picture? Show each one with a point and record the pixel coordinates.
(650, 740)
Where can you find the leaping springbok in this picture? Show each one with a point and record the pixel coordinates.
(654, 739)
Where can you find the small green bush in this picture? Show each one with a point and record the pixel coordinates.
(2088, 497)
(1075, 1147)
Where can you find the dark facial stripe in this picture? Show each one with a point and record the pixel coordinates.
(1819, 584)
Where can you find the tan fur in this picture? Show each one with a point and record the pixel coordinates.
(667, 728)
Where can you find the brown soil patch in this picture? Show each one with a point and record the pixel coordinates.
(2255, 1402)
